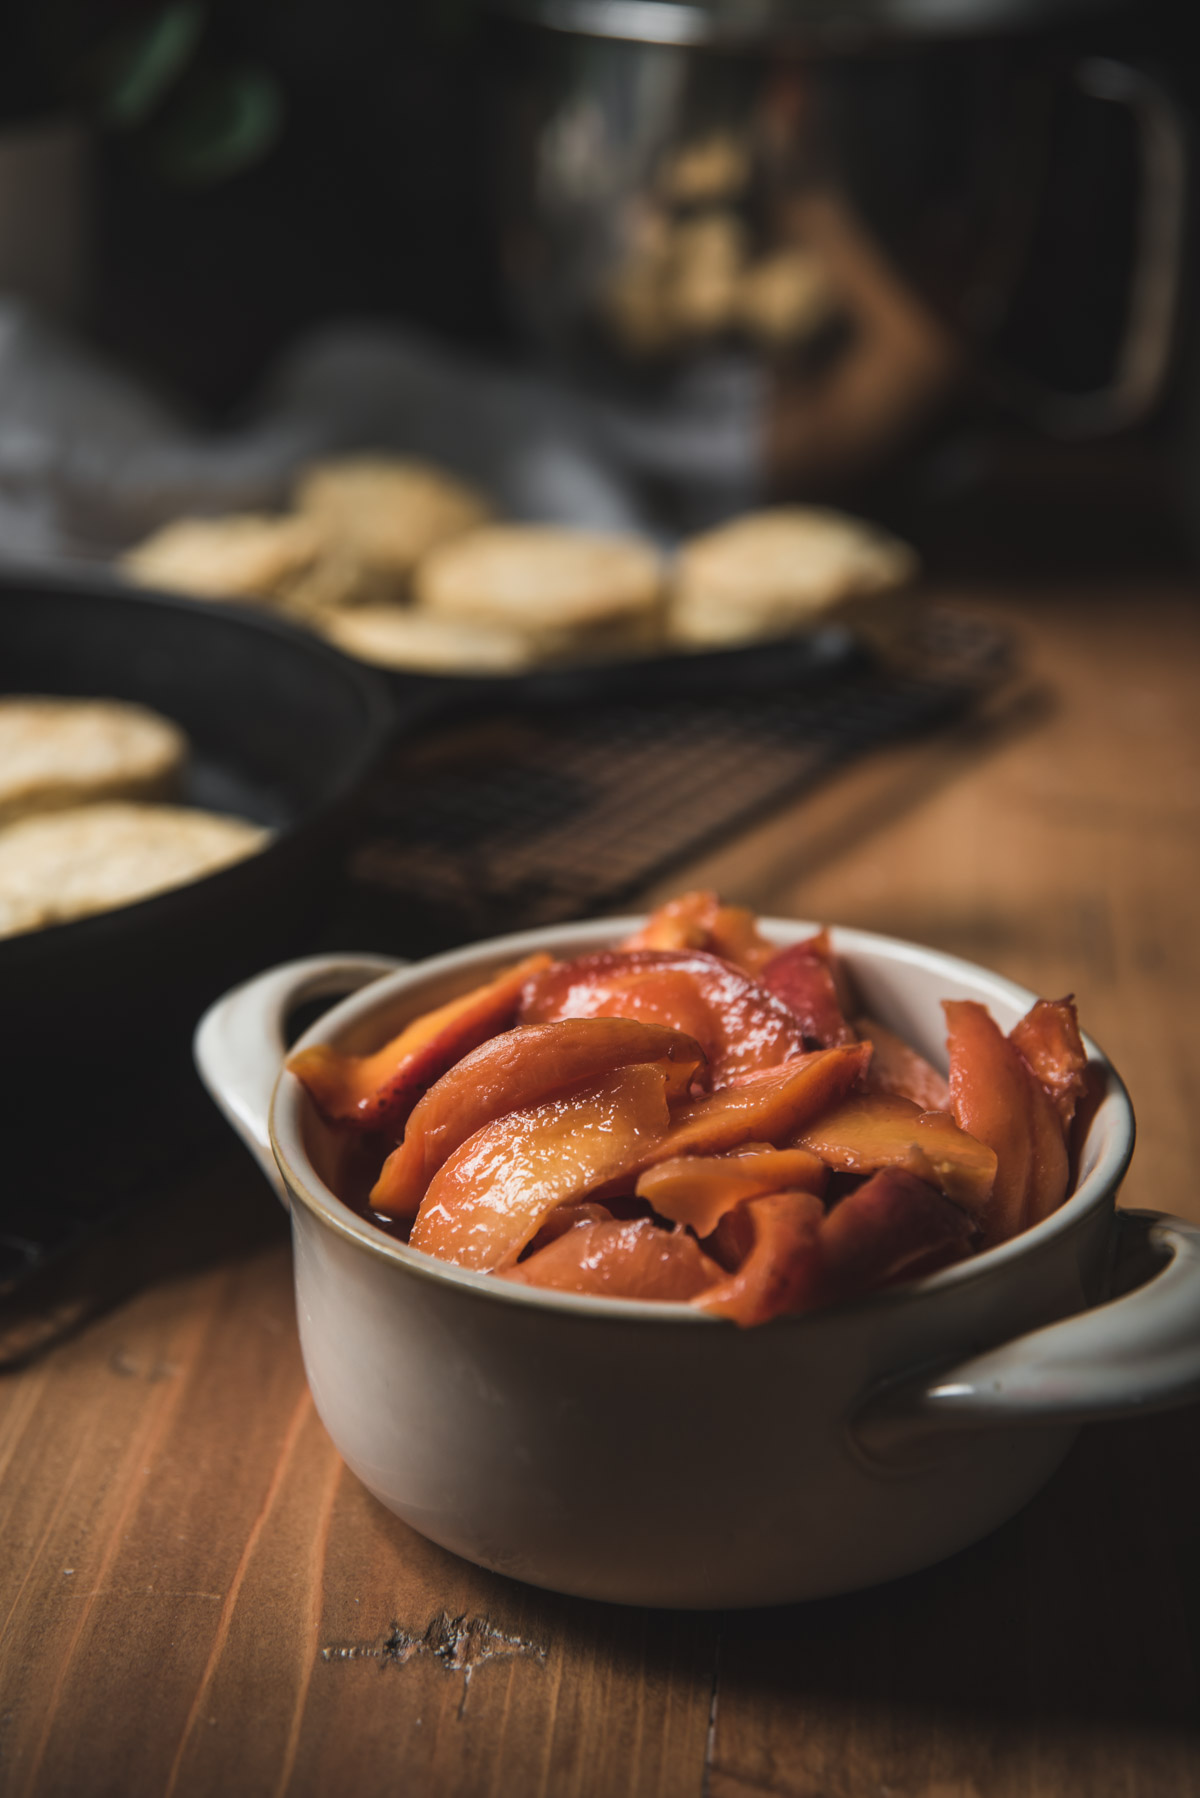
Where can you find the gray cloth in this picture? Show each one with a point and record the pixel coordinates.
(90, 461)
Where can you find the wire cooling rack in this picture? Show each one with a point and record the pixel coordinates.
(534, 815)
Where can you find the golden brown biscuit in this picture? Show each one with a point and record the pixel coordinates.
(244, 556)
(707, 169)
(96, 857)
(707, 255)
(635, 308)
(770, 572)
(336, 580)
(567, 589)
(405, 637)
(784, 298)
(66, 752)
(385, 513)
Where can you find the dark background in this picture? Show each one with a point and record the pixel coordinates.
(375, 199)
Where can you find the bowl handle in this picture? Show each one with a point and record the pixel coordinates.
(1138, 1353)
(240, 1043)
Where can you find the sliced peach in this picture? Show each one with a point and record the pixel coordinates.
(747, 1026)
(804, 977)
(897, 1068)
(770, 1106)
(869, 1131)
(997, 1100)
(512, 1071)
(493, 1194)
(699, 1189)
(734, 935)
(733, 1238)
(698, 920)
(681, 923)
(377, 1092)
(1050, 1174)
(1048, 1037)
(892, 1227)
(669, 998)
(630, 1260)
(566, 1217)
(782, 1269)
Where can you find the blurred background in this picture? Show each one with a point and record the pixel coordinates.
(638, 265)
(932, 260)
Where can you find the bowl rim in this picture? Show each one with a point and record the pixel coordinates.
(290, 1101)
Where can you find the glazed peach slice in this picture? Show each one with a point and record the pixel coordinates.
(796, 1256)
(666, 997)
(805, 978)
(998, 1100)
(870, 1131)
(734, 935)
(1048, 1038)
(699, 1189)
(629, 1260)
(492, 1195)
(781, 1271)
(377, 1092)
(683, 923)
(770, 1106)
(892, 1227)
(897, 1068)
(567, 1217)
(738, 1023)
(514, 1070)
(698, 920)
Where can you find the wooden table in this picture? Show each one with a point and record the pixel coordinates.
(199, 1599)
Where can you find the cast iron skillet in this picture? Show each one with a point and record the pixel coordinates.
(284, 731)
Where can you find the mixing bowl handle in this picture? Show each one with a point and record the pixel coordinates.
(240, 1041)
(1160, 227)
(1138, 1353)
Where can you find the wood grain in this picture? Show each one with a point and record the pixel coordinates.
(196, 1598)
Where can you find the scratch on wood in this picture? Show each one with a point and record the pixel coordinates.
(138, 1591)
(148, 1438)
(740, 1785)
(710, 1740)
(291, 1436)
(134, 1367)
(316, 1585)
(458, 1644)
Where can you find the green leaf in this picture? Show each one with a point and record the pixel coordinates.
(226, 122)
(149, 62)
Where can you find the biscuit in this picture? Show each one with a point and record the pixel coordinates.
(65, 752)
(335, 580)
(96, 857)
(707, 255)
(635, 308)
(710, 168)
(566, 588)
(785, 298)
(246, 555)
(769, 573)
(404, 638)
(386, 513)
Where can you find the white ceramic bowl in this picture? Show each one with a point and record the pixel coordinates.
(649, 1454)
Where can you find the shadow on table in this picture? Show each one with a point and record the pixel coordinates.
(216, 1208)
(1085, 1606)
(1081, 1612)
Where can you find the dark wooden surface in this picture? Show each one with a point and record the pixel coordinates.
(197, 1598)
